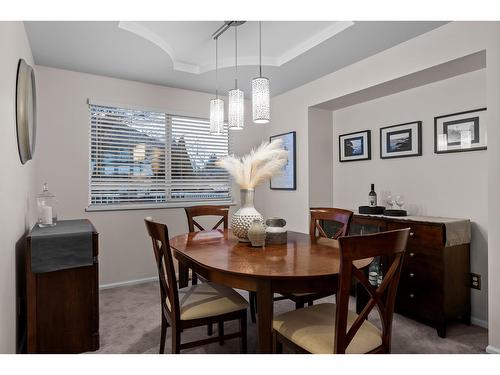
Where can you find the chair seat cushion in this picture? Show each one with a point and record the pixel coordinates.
(208, 299)
(313, 329)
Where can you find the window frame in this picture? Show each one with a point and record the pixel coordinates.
(149, 206)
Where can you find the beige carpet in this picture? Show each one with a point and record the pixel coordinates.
(130, 323)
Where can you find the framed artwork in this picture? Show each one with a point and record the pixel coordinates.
(287, 180)
(399, 141)
(459, 132)
(355, 146)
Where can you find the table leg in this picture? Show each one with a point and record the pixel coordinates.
(265, 315)
(183, 275)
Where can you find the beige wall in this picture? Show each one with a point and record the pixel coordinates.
(493, 100)
(453, 185)
(320, 135)
(451, 41)
(63, 150)
(16, 185)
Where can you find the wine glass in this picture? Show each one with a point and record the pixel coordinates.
(389, 200)
(400, 201)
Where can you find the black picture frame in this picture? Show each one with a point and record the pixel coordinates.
(408, 127)
(293, 152)
(476, 123)
(363, 134)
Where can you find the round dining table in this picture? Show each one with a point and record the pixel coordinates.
(304, 264)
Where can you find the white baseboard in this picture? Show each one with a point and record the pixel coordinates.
(127, 283)
(492, 350)
(479, 322)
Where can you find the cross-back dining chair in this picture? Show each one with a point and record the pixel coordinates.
(333, 328)
(341, 220)
(222, 211)
(197, 211)
(195, 305)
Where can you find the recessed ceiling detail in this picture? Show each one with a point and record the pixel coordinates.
(190, 46)
(182, 54)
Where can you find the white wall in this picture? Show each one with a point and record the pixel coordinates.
(453, 185)
(449, 42)
(320, 135)
(63, 151)
(16, 184)
(493, 100)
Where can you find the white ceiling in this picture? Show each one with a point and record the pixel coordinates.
(182, 53)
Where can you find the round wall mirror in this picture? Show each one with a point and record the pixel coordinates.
(25, 111)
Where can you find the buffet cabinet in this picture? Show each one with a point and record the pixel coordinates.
(433, 286)
(62, 305)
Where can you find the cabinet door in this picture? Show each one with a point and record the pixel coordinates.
(67, 318)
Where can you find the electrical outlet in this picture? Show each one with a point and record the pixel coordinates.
(475, 281)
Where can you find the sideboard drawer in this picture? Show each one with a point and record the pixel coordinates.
(421, 234)
(418, 302)
(421, 271)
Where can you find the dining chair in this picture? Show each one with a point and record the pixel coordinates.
(333, 328)
(221, 211)
(340, 219)
(197, 211)
(195, 305)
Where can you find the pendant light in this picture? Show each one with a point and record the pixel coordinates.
(216, 105)
(261, 108)
(236, 97)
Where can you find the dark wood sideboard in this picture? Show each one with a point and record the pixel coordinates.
(433, 287)
(63, 307)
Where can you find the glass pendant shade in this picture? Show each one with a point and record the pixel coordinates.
(261, 100)
(236, 109)
(216, 116)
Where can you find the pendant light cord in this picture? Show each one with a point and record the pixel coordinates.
(216, 68)
(236, 57)
(260, 49)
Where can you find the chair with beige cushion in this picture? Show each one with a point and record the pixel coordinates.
(332, 328)
(196, 305)
(221, 211)
(336, 217)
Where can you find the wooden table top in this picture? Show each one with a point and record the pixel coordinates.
(302, 256)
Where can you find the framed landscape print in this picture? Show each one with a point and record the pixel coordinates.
(399, 141)
(458, 132)
(355, 146)
(287, 180)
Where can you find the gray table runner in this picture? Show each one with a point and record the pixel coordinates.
(66, 245)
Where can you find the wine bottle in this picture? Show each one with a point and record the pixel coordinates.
(372, 197)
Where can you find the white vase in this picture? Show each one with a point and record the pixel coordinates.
(244, 217)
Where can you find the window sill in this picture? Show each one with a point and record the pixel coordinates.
(130, 207)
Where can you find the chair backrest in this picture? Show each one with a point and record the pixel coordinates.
(336, 215)
(166, 272)
(196, 211)
(391, 245)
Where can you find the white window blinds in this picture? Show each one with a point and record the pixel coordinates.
(142, 157)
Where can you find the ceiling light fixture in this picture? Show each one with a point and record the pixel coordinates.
(261, 107)
(236, 115)
(216, 105)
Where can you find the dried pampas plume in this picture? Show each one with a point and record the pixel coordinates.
(258, 166)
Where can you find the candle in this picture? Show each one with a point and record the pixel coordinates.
(46, 215)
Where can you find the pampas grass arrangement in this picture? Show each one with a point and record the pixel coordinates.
(258, 166)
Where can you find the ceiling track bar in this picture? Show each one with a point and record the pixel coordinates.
(227, 24)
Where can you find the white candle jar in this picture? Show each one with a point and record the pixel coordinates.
(46, 205)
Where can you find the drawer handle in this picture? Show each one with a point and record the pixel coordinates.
(412, 295)
(412, 274)
(412, 234)
(412, 254)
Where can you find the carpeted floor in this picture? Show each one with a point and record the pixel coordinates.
(130, 323)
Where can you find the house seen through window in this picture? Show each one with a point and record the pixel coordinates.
(140, 157)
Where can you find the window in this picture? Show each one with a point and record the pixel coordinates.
(147, 158)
